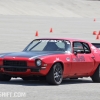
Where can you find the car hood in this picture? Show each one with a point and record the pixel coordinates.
(34, 54)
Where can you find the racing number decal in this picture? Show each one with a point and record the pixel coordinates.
(79, 59)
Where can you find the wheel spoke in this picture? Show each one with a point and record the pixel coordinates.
(55, 77)
(58, 79)
(57, 73)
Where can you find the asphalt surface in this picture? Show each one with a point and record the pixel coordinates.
(19, 21)
(81, 89)
(17, 31)
(51, 8)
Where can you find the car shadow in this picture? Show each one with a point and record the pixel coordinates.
(44, 83)
(76, 81)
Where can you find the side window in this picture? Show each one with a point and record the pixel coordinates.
(77, 46)
(86, 48)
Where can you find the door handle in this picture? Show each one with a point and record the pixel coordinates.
(92, 57)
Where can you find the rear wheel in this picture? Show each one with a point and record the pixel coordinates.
(55, 75)
(96, 76)
(4, 77)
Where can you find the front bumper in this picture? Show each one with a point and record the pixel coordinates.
(23, 71)
(20, 69)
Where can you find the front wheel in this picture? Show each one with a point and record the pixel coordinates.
(55, 75)
(4, 77)
(96, 76)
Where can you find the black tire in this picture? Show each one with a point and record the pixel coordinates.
(55, 75)
(4, 77)
(25, 78)
(96, 76)
(73, 78)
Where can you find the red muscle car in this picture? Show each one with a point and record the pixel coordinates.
(54, 59)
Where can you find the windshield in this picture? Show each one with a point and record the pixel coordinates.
(48, 45)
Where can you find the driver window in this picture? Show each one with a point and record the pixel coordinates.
(86, 48)
(77, 46)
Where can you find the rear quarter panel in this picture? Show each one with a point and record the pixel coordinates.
(96, 52)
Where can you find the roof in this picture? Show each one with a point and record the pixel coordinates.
(69, 39)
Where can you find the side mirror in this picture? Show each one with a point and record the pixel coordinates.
(75, 52)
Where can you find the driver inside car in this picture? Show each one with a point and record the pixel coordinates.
(51, 46)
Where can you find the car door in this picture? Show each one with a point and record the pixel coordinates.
(82, 59)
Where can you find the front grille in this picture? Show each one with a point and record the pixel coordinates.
(15, 69)
(14, 63)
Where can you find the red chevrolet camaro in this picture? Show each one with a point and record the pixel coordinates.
(53, 59)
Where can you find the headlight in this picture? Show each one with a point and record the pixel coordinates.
(38, 62)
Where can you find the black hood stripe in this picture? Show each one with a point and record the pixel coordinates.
(31, 55)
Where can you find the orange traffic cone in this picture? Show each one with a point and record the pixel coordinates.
(94, 32)
(99, 33)
(97, 37)
(94, 19)
(51, 30)
(36, 34)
